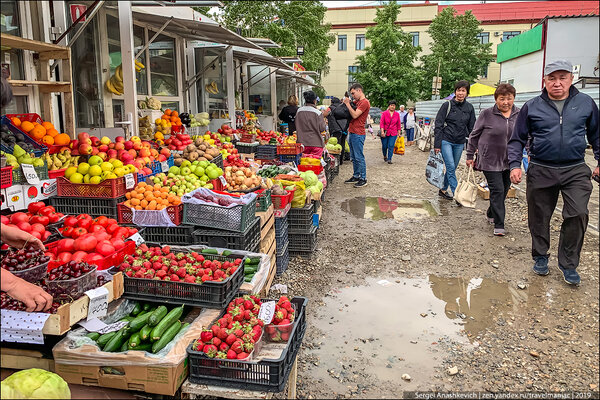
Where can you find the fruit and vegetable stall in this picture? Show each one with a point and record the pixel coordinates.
(160, 251)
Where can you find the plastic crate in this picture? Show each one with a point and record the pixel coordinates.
(263, 202)
(125, 215)
(266, 152)
(317, 169)
(248, 138)
(19, 178)
(284, 158)
(282, 260)
(290, 149)
(300, 219)
(156, 166)
(280, 202)
(39, 149)
(173, 235)
(107, 262)
(94, 207)
(303, 243)
(280, 222)
(237, 218)
(56, 173)
(265, 375)
(246, 241)
(110, 188)
(246, 148)
(208, 294)
(73, 287)
(218, 161)
(6, 177)
(282, 241)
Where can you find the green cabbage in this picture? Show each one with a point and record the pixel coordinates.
(310, 178)
(314, 189)
(320, 185)
(333, 141)
(35, 383)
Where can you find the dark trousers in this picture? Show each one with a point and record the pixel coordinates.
(341, 138)
(498, 183)
(543, 186)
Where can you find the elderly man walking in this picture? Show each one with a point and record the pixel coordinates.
(555, 124)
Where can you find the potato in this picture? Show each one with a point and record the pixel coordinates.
(208, 156)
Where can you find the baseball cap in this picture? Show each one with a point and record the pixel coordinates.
(558, 65)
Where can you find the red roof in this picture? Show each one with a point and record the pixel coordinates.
(535, 10)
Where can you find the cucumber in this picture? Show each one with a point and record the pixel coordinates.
(169, 334)
(252, 261)
(147, 306)
(116, 341)
(139, 322)
(248, 278)
(141, 313)
(210, 251)
(134, 340)
(123, 347)
(93, 335)
(157, 315)
(127, 318)
(104, 339)
(250, 269)
(145, 332)
(137, 309)
(141, 347)
(165, 323)
(226, 253)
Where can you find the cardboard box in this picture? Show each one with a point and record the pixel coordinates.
(40, 192)
(484, 193)
(12, 198)
(512, 193)
(164, 380)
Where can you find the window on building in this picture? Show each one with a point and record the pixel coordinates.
(360, 42)
(484, 37)
(163, 74)
(139, 40)
(509, 34)
(352, 69)
(12, 59)
(342, 42)
(415, 38)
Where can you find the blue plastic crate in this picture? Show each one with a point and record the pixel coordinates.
(39, 149)
(285, 158)
(156, 165)
(142, 178)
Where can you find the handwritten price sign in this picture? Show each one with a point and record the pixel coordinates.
(98, 305)
(30, 175)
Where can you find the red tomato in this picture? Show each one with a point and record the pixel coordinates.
(112, 228)
(67, 231)
(94, 259)
(86, 243)
(105, 248)
(84, 223)
(38, 228)
(35, 207)
(97, 228)
(118, 243)
(24, 226)
(36, 234)
(45, 235)
(102, 236)
(70, 221)
(5, 219)
(121, 233)
(54, 217)
(102, 221)
(39, 219)
(16, 218)
(78, 232)
(132, 231)
(112, 221)
(64, 257)
(79, 256)
(46, 211)
(84, 216)
(66, 245)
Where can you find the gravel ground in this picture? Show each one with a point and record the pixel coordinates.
(534, 333)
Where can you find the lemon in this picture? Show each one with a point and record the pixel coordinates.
(95, 170)
(117, 163)
(86, 178)
(70, 171)
(83, 168)
(118, 172)
(106, 166)
(95, 179)
(76, 177)
(111, 176)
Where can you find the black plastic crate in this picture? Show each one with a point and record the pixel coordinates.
(263, 202)
(265, 375)
(175, 235)
(266, 152)
(303, 242)
(247, 240)
(282, 260)
(245, 148)
(237, 218)
(218, 160)
(208, 294)
(95, 207)
(300, 220)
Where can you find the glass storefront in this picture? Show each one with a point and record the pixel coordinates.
(11, 60)
(163, 72)
(259, 93)
(212, 85)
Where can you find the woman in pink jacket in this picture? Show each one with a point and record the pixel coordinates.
(390, 126)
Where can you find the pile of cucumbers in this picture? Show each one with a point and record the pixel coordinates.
(251, 266)
(149, 329)
(272, 171)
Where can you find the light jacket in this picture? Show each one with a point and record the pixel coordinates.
(309, 125)
(390, 124)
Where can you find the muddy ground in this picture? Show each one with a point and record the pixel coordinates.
(422, 302)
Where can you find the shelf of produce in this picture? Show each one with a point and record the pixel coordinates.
(71, 313)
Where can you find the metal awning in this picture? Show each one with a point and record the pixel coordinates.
(265, 43)
(190, 24)
(260, 57)
(289, 74)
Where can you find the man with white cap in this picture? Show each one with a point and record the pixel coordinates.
(555, 124)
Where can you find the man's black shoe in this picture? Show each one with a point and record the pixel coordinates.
(352, 180)
(361, 183)
(445, 195)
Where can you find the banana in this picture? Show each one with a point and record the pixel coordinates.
(215, 88)
(110, 87)
(139, 64)
(119, 72)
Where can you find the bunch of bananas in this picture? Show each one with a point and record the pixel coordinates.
(115, 83)
(212, 88)
(61, 160)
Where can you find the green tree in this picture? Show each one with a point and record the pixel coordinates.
(387, 68)
(456, 48)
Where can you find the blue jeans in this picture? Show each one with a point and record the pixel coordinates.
(387, 146)
(356, 143)
(451, 153)
(410, 134)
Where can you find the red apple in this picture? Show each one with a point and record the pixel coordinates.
(128, 145)
(102, 155)
(83, 137)
(112, 153)
(132, 152)
(95, 151)
(111, 145)
(120, 145)
(95, 141)
(137, 146)
(85, 149)
(119, 139)
(103, 148)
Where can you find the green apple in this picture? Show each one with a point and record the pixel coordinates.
(185, 170)
(186, 163)
(173, 170)
(199, 171)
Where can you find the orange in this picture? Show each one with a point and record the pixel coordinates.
(128, 194)
(49, 140)
(62, 139)
(52, 132)
(144, 204)
(27, 126)
(38, 132)
(135, 202)
(168, 111)
(47, 125)
(175, 114)
(15, 121)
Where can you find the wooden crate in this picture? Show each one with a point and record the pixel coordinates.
(265, 244)
(273, 253)
(25, 359)
(265, 216)
(71, 313)
(266, 228)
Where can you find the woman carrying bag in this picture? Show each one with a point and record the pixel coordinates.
(389, 126)
(489, 139)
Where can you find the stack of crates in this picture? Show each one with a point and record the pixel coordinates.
(282, 242)
(302, 233)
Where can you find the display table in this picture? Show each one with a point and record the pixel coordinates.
(191, 390)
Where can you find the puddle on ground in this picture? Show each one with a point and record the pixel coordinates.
(388, 328)
(378, 208)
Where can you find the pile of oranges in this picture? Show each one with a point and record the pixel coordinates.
(172, 116)
(151, 197)
(44, 133)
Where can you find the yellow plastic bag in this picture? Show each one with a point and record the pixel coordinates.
(399, 146)
(310, 161)
(299, 199)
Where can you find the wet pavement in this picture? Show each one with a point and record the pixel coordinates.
(378, 208)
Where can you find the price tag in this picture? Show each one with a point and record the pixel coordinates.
(164, 166)
(113, 327)
(129, 181)
(267, 311)
(323, 163)
(98, 302)
(236, 137)
(137, 238)
(223, 180)
(30, 174)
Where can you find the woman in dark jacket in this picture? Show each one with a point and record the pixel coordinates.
(453, 123)
(489, 140)
(338, 127)
(288, 114)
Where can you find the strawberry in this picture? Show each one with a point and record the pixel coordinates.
(238, 261)
(174, 278)
(223, 346)
(129, 273)
(285, 336)
(179, 256)
(210, 350)
(270, 329)
(222, 354)
(149, 274)
(285, 322)
(242, 356)
(157, 265)
(231, 338)
(198, 345)
(223, 321)
(248, 347)
(239, 301)
(248, 305)
(181, 263)
(181, 272)
(286, 305)
(139, 274)
(246, 338)
(231, 355)
(282, 299)
(237, 346)
(166, 250)
(206, 278)
(189, 279)
(215, 329)
(206, 335)
(247, 315)
(239, 333)
(216, 341)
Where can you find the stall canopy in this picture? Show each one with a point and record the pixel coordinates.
(290, 73)
(259, 57)
(191, 25)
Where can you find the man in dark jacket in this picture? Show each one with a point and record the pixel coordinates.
(338, 127)
(555, 125)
